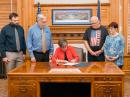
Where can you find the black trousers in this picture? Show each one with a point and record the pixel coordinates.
(41, 57)
(99, 58)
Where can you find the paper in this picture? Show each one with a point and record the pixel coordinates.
(65, 70)
(70, 64)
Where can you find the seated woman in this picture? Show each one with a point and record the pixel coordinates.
(114, 46)
(65, 53)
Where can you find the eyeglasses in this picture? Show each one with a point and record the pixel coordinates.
(94, 23)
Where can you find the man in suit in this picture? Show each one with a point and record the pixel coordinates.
(12, 43)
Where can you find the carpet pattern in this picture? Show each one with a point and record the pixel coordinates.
(3, 88)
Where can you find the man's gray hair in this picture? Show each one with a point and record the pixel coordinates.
(39, 17)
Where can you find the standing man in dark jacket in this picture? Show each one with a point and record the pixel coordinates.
(12, 43)
(94, 39)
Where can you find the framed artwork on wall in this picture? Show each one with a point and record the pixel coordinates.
(71, 16)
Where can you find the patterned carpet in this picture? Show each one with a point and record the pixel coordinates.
(127, 87)
(3, 87)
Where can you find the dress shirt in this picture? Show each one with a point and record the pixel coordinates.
(8, 39)
(34, 40)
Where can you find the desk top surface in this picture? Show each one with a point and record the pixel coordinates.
(43, 68)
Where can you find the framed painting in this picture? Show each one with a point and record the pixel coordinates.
(71, 16)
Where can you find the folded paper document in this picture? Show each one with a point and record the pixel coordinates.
(70, 64)
(65, 70)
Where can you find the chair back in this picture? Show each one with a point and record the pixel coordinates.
(80, 53)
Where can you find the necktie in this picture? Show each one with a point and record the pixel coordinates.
(17, 40)
(43, 41)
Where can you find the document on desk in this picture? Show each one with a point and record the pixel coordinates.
(65, 70)
(70, 64)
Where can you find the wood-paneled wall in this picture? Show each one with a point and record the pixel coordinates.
(47, 10)
(71, 32)
(126, 26)
(5, 9)
(27, 11)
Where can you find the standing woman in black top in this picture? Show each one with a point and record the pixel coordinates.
(94, 38)
(12, 43)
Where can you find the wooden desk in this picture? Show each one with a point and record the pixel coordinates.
(106, 79)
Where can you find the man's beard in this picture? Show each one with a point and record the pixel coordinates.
(14, 24)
